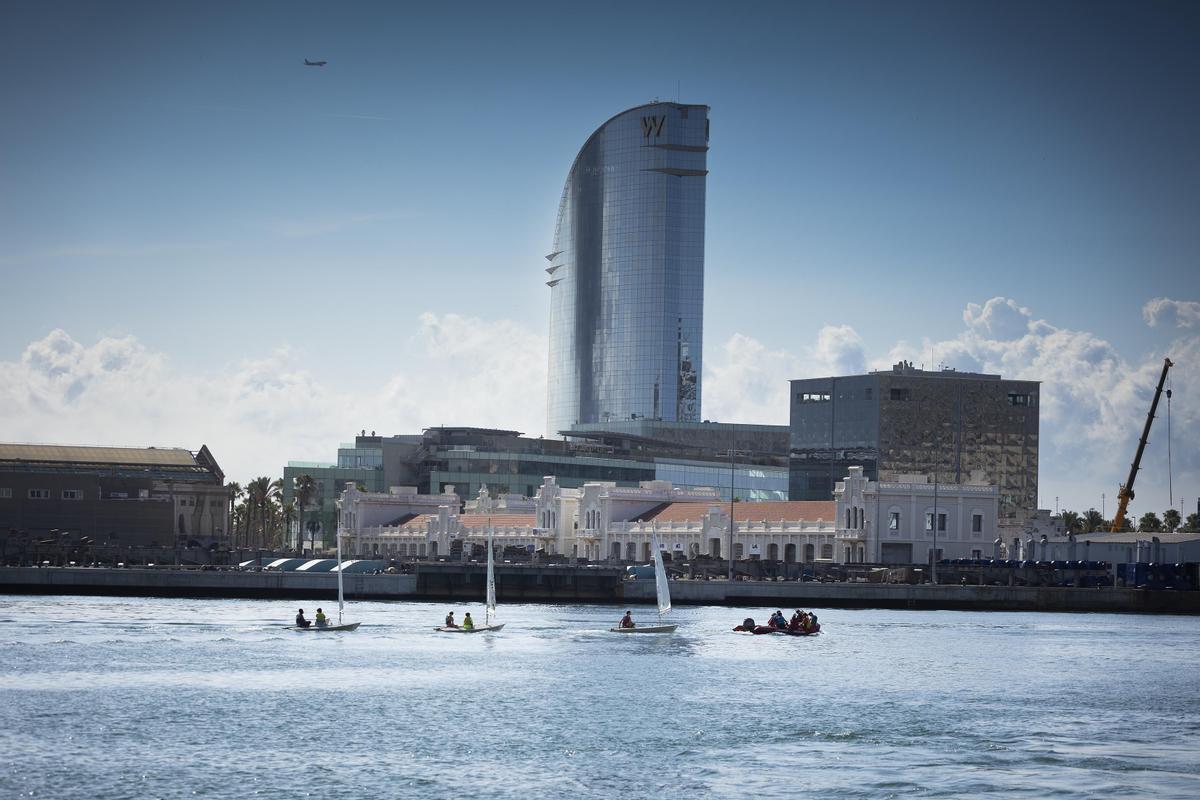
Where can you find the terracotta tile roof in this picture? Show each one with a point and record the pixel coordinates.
(771, 511)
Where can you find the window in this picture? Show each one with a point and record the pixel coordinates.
(827, 551)
(929, 521)
(72, 494)
(5, 494)
(899, 394)
(894, 521)
(1020, 399)
(813, 397)
(977, 523)
(39, 494)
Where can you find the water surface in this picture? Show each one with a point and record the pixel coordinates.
(158, 698)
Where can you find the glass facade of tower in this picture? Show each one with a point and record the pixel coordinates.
(626, 275)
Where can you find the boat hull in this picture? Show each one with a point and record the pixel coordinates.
(326, 628)
(476, 629)
(646, 629)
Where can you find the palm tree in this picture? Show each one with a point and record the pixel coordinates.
(304, 489)
(1150, 523)
(288, 513)
(259, 492)
(1171, 520)
(1193, 523)
(235, 491)
(1093, 521)
(1071, 522)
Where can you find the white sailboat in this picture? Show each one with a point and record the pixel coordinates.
(341, 624)
(489, 608)
(662, 589)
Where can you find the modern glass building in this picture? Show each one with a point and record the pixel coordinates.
(954, 427)
(626, 275)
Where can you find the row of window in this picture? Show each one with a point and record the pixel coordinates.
(894, 521)
(44, 494)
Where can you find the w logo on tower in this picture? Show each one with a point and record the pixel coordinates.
(653, 126)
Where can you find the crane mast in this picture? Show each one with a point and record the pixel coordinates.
(1126, 493)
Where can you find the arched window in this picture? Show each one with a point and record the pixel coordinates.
(789, 554)
(847, 518)
(772, 552)
(810, 553)
(827, 551)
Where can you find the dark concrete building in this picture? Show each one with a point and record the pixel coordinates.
(123, 496)
(955, 427)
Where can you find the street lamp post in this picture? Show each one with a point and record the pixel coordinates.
(732, 451)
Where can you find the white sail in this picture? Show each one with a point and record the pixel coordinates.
(660, 577)
(491, 580)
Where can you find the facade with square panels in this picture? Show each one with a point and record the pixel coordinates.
(626, 274)
(955, 427)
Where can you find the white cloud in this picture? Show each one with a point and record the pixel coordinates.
(998, 318)
(1094, 400)
(257, 414)
(1180, 313)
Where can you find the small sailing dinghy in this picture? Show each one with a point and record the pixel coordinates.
(663, 590)
(489, 599)
(341, 626)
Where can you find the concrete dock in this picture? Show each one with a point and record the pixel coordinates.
(531, 583)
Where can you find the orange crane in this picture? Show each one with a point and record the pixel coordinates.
(1126, 493)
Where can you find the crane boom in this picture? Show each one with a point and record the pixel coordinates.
(1126, 493)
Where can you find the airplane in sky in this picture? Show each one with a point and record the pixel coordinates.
(308, 63)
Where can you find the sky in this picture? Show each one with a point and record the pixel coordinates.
(203, 241)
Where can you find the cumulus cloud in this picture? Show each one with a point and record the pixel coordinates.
(256, 414)
(1094, 399)
(998, 318)
(1177, 313)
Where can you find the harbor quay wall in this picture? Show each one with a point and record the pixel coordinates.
(797, 594)
(133, 582)
(535, 584)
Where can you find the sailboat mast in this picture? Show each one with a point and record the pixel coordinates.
(339, 558)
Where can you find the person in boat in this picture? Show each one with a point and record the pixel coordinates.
(627, 620)
(450, 623)
(747, 625)
(321, 619)
(301, 622)
(468, 623)
(777, 620)
(797, 621)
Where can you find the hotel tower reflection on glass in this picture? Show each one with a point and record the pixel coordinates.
(626, 274)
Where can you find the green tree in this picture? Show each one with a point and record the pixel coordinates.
(304, 490)
(1071, 522)
(1150, 523)
(235, 491)
(258, 496)
(1193, 523)
(1171, 520)
(1093, 521)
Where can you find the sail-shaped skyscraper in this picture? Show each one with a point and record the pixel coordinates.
(626, 273)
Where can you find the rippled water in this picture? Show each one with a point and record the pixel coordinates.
(124, 698)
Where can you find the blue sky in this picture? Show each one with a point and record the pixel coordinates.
(195, 210)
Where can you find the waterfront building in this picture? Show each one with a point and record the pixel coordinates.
(626, 273)
(956, 427)
(117, 496)
(748, 462)
(892, 522)
(598, 521)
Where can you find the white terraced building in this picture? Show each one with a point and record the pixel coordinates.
(599, 521)
(891, 522)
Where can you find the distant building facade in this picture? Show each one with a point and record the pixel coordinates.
(892, 522)
(597, 522)
(626, 274)
(122, 496)
(956, 427)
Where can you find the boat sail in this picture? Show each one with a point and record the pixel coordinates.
(341, 624)
(662, 590)
(489, 598)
